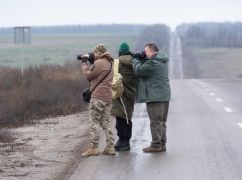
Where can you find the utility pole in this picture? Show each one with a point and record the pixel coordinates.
(22, 35)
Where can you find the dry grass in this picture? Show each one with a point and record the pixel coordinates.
(8, 139)
(200, 62)
(7, 136)
(41, 92)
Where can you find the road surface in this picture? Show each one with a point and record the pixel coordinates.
(175, 56)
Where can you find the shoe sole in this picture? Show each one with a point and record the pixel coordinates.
(108, 153)
(122, 149)
(163, 149)
(151, 151)
(90, 155)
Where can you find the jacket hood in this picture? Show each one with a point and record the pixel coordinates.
(161, 57)
(124, 57)
(106, 56)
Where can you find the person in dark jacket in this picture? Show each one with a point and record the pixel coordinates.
(129, 78)
(154, 90)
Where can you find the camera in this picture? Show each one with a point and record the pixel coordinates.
(86, 57)
(139, 55)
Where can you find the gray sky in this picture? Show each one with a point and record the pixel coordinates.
(170, 12)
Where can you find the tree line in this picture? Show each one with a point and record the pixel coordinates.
(70, 29)
(158, 33)
(225, 34)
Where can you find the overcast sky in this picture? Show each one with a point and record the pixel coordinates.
(69, 12)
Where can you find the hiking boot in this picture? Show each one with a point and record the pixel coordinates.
(152, 149)
(91, 152)
(109, 150)
(123, 146)
(119, 144)
(163, 148)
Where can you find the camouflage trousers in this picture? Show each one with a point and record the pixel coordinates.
(158, 112)
(100, 116)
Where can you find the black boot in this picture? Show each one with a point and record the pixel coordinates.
(123, 146)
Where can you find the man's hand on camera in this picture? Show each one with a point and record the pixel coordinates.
(84, 58)
(139, 55)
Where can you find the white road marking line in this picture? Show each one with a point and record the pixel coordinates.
(219, 100)
(228, 109)
(212, 94)
(240, 125)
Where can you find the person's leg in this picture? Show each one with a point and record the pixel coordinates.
(94, 121)
(121, 128)
(155, 111)
(124, 132)
(124, 129)
(106, 125)
(164, 127)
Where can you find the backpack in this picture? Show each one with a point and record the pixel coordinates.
(118, 88)
(117, 84)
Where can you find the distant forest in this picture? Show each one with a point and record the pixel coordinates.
(211, 34)
(70, 29)
(158, 33)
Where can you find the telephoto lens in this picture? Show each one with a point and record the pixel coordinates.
(79, 56)
(139, 55)
(82, 56)
(86, 57)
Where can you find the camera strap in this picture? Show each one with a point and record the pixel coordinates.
(103, 77)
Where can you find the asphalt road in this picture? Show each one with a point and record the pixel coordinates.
(175, 56)
(204, 138)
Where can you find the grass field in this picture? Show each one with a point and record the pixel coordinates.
(57, 49)
(44, 90)
(212, 62)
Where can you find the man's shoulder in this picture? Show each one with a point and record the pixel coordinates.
(150, 61)
(102, 64)
(101, 61)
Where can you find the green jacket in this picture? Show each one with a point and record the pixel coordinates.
(130, 82)
(153, 84)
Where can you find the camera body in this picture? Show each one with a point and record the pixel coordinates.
(86, 57)
(139, 55)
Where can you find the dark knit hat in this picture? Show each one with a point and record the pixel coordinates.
(100, 49)
(124, 49)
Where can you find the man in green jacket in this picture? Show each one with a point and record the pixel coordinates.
(154, 90)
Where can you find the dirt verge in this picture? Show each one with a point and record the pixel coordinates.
(50, 149)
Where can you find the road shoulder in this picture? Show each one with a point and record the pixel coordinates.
(47, 150)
